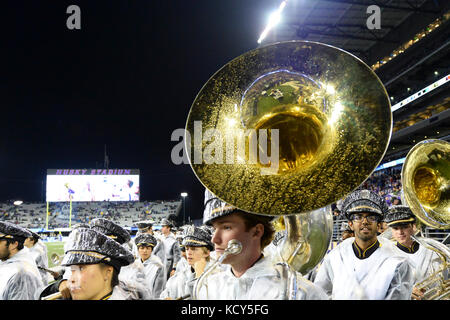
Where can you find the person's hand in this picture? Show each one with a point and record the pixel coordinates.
(64, 290)
(55, 274)
(199, 267)
(417, 294)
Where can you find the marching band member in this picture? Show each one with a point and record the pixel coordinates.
(39, 254)
(19, 276)
(155, 276)
(146, 226)
(425, 261)
(173, 253)
(198, 246)
(364, 267)
(249, 274)
(95, 261)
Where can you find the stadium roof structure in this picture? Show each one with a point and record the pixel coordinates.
(343, 23)
(409, 52)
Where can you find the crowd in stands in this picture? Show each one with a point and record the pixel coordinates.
(33, 215)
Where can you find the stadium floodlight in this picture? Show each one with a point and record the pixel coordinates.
(274, 19)
(18, 202)
(184, 195)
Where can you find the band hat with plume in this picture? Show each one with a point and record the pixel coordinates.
(197, 237)
(10, 230)
(398, 215)
(145, 239)
(364, 201)
(215, 208)
(89, 246)
(111, 229)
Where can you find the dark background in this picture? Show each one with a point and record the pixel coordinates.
(126, 80)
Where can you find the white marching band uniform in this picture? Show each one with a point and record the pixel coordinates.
(154, 275)
(39, 253)
(172, 252)
(384, 275)
(424, 261)
(263, 281)
(181, 284)
(20, 278)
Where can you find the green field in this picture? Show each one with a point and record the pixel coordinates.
(54, 247)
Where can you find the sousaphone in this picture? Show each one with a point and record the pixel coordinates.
(324, 113)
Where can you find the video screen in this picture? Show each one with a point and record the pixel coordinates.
(92, 185)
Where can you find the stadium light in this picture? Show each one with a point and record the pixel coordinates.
(184, 195)
(274, 19)
(18, 202)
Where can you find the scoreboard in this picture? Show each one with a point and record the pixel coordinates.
(92, 185)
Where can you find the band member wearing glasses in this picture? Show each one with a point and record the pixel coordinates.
(364, 267)
(249, 274)
(425, 261)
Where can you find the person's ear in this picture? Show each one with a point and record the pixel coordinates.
(259, 230)
(108, 273)
(350, 224)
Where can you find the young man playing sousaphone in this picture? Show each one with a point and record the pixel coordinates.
(365, 267)
(247, 275)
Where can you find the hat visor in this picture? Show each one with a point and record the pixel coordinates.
(83, 257)
(364, 209)
(219, 212)
(193, 242)
(398, 223)
(145, 244)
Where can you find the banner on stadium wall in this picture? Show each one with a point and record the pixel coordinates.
(67, 185)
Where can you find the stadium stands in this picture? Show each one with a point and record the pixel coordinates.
(33, 215)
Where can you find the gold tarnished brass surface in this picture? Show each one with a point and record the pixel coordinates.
(333, 116)
(426, 182)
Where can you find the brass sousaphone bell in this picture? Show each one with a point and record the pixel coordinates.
(426, 190)
(334, 124)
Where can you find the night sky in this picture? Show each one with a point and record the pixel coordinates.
(126, 80)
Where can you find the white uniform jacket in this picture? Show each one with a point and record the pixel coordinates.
(20, 278)
(263, 281)
(384, 275)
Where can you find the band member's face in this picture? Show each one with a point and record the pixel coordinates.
(402, 233)
(4, 250)
(227, 228)
(145, 252)
(194, 254)
(364, 226)
(165, 230)
(90, 281)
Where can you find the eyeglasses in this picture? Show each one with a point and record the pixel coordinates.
(360, 218)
